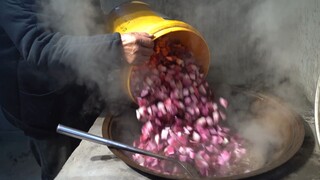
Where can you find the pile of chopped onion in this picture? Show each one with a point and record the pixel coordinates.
(180, 118)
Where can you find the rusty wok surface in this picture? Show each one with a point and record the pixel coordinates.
(265, 111)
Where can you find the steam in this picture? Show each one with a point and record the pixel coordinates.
(275, 30)
(260, 44)
(265, 45)
(263, 140)
(280, 27)
(96, 67)
(73, 17)
(282, 30)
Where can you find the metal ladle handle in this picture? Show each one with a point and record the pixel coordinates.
(61, 129)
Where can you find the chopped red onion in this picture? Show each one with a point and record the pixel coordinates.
(180, 118)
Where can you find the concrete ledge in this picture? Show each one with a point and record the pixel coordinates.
(94, 161)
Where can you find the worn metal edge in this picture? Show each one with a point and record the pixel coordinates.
(316, 111)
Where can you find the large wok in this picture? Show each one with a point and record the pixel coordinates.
(285, 132)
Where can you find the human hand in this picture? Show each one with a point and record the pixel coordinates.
(137, 46)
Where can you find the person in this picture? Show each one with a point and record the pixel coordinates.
(40, 71)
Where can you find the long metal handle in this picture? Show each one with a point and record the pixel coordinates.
(93, 138)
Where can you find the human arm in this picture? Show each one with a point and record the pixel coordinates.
(83, 54)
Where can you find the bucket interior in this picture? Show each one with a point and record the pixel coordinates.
(194, 43)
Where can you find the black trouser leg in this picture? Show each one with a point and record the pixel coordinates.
(52, 153)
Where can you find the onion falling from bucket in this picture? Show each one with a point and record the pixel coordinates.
(180, 115)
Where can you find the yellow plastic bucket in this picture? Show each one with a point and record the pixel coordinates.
(136, 16)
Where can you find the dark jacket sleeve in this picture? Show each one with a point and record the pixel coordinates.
(44, 54)
(38, 45)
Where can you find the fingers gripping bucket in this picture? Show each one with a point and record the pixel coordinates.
(137, 16)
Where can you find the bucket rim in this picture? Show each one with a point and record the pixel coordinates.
(127, 3)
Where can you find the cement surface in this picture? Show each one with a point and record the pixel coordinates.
(94, 161)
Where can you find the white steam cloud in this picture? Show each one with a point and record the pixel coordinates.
(287, 33)
(73, 17)
(95, 68)
(264, 44)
